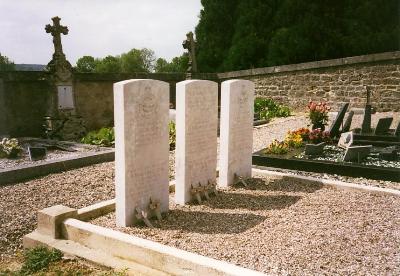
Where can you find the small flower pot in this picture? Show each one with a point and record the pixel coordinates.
(315, 149)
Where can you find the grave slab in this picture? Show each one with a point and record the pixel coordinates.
(196, 136)
(236, 131)
(356, 153)
(141, 114)
(334, 129)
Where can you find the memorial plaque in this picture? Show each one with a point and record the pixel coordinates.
(65, 97)
(356, 153)
(236, 131)
(196, 136)
(37, 153)
(141, 114)
(383, 126)
(346, 140)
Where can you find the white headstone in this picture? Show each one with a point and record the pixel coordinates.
(65, 97)
(346, 140)
(141, 111)
(236, 131)
(196, 136)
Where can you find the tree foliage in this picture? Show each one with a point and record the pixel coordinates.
(234, 35)
(177, 65)
(6, 64)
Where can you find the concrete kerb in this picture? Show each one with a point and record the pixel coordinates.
(264, 172)
(117, 250)
(22, 173)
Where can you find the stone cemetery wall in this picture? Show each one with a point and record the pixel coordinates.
(141, 148)
(24, 99)
(335, 81)
(236, 135)
(196, 136)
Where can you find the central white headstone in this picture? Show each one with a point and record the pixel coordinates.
(196, 136)
(236, 131)
(141, 114)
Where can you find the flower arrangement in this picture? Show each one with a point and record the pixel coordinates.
(9, 148)
(317, 136)
(318, 114)
(294, 139)
(277, 147)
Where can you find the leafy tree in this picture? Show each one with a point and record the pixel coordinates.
(6, 64)
(86, 64)
(137, 60)
(109, 64)
(177, 65)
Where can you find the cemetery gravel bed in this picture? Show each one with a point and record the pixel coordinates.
(20, 202)
(286, 228)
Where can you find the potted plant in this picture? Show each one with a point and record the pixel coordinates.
(318, 114)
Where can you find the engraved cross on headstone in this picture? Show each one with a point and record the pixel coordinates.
(56, 30)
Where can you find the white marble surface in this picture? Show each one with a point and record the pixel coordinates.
(196, 136)
(236, 131)
(141, 114)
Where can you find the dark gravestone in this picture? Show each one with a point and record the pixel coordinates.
(356, 153)
(383, 125)
(366, 124)
(397, 130)
(389, 154)
(314, 149)
(347, 123)
(334, 130)
(37, 153)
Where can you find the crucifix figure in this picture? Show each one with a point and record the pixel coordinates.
(56, 30)
(190, 45)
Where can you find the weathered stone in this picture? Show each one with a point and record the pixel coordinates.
(141, 109)
(347, 123)
(334, 129)
(196, 136)
(346, 140)
(356, 153)
(50, 219)
(236, 135)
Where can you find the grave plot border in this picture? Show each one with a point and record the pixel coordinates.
(118, 250)
(346, 169)
(27, 172)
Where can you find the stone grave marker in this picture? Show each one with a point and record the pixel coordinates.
(383, 126)
(347, 123)
(196, 138)
(141, 115)
(334, 130)
(356, 153)
(366, 124)
(236, 131)
(346, 140)
(397, 130)
(37, 153)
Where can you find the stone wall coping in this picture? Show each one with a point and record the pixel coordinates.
(387, 56)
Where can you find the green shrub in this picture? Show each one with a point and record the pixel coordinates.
(266, 109)
(172, 135)
(38, 258)
(104, 137)
(9, 148)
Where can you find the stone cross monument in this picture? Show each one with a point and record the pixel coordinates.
(190, 45)
(61, 120)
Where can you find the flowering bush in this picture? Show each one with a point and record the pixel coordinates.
(9, 148)
(317, 136)
(277, 147)
(318, 114)
(293, 139)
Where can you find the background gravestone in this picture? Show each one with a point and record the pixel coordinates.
(383, 126)
(141, 113)
(366, 124)
(347, 123)
(236, 131)
(334, 130)
(196, 136)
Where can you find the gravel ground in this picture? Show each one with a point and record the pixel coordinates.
(20, 202)
(286, 228)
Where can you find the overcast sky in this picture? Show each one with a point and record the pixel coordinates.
(96, 27)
